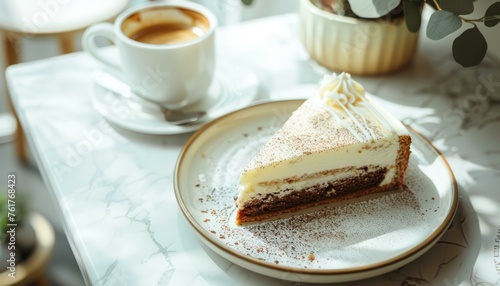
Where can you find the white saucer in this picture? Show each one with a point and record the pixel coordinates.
(234, 87)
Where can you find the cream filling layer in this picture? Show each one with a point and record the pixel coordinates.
(382, 154)
(279, 190)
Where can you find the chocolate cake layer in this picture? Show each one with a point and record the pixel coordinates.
(347, 188)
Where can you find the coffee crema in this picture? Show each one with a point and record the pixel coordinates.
(165, 26)
(164, 34)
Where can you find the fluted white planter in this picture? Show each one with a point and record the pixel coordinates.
(357, 46)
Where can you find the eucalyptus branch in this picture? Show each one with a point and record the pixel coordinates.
(471, 20)
(437, 5)
(469, 48)
(482, 19)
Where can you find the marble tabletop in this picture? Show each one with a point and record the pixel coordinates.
(114, 187)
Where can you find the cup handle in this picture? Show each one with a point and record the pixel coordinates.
(105, 30)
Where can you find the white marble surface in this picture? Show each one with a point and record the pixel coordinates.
(114, 187)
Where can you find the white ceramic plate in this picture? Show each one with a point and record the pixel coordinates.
(334, 244)
(234, 87)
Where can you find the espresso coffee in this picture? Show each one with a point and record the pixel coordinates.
(166, 26)
(172, 33)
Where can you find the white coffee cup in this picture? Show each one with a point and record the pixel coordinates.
(167, 50)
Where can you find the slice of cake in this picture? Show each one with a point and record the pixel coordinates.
(337, 145)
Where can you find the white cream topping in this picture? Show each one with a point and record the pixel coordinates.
(343, 97)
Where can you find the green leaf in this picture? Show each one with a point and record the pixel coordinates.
(470, 47)
(413, 18)
(373, 8)
(247, 2)
(441, 24)
(493, 14)
(457, 7)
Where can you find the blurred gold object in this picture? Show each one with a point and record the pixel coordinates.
(31, 269)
